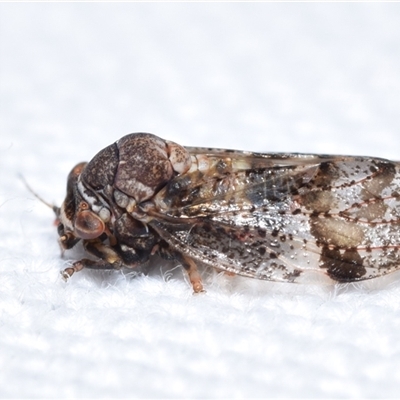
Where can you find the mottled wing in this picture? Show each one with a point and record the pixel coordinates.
(274, 216)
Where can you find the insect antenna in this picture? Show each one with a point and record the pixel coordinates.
(53, 207)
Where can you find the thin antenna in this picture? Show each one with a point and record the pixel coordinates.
(53, 207)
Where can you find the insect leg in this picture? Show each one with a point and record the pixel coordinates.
(194, 276)
(86, 263)
(109, 259)
(190, 266)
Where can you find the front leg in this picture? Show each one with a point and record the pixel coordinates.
(108, 258)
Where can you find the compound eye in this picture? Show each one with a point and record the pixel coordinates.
(88, 225)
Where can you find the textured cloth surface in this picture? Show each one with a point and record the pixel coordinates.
(264, 77)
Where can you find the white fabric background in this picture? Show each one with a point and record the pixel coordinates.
(265, 77)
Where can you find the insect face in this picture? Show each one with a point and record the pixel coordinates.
(81, 215)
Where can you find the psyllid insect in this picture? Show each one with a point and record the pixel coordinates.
(265, 216)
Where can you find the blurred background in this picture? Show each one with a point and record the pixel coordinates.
(267, 77)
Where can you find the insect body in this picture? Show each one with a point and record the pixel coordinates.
(266, 216)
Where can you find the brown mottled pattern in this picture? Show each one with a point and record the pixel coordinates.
(277, 221)
(101, 170)
(349, 231)
(143, 166)
(266, 216)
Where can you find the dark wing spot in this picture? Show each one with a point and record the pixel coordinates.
(262, 250)
(262, 233)
(342, 267)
